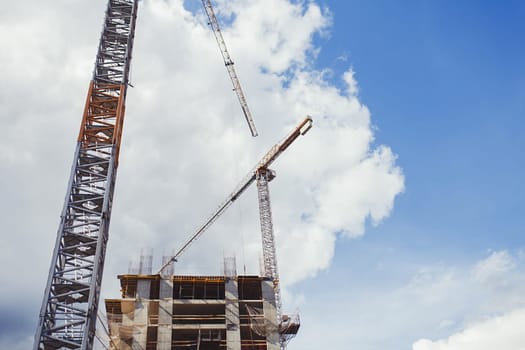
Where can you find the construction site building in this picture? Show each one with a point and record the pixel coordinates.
(197, 312)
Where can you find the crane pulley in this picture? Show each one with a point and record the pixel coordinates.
(228, 62)
(260, 168)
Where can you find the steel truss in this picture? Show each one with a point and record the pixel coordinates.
(69, 308)
(265, 175)
(228, 62)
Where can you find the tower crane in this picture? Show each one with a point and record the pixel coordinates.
(228, 62)
(262, 175)
(69, 308)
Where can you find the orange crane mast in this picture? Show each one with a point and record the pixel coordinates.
(69, 307)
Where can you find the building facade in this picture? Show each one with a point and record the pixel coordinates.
(197, 312)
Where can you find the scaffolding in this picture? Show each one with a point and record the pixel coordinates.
(196, 312)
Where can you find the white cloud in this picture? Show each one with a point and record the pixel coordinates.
(432, 286)
(407, 301)
(349, 77)
(493, 267)
(502, 332)
(275, 35)
(372, 183)
(471, 298)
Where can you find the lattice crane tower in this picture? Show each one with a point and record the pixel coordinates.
(69, 308)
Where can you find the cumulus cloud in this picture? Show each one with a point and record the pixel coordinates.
(395, 307)
(481, 305)
(493, 267)
(502, 332)
(334, 159)
(275, 35)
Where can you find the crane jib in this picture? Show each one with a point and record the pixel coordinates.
(268, 158)
(228, 62)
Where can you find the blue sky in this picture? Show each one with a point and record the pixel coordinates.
(444, 82)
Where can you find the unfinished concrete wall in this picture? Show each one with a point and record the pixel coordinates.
(233, 330)
(207, 312)
(124, 332)
(270, 315)
(165, 314)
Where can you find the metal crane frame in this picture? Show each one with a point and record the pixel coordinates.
(228, 62)
(68, 314)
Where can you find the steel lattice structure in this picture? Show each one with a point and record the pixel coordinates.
(265, 175)
(69, 308)
(228, 62)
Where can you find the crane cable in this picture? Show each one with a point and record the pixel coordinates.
(101, 342)
(106, 330)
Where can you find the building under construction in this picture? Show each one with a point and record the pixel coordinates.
(170, 312)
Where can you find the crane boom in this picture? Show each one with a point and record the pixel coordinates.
(268, 159)
(69, 308)
(228, 62)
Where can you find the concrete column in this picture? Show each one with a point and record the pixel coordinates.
(125, 333)
(141, 315)
(270, 315)
(140, 330)
(233, 329)
(165, 314)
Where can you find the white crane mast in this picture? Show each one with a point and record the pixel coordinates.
(264, 176)
(228, 62)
